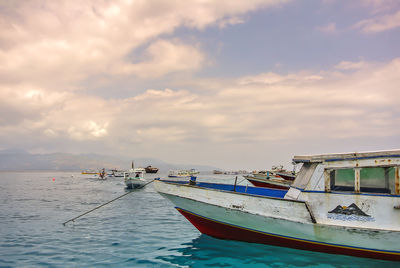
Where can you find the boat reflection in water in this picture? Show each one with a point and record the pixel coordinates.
(206, 251)
(345, 203)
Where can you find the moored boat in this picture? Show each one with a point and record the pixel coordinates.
(151, 169)
(134, 178)
(276, 171)
(89, 172)
(269, 182)
(115, 173)
(345, 203)
(177, 173)
(193, 172)
(182, 173)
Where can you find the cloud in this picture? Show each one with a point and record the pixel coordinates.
(263, 108)
(349, 65)
(50, 43)
(377, 6)
(329, 28)
(379, 24)
(163, 57)
(54, 53)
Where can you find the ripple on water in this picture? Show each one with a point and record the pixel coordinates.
(141, 230)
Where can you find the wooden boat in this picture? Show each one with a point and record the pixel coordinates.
(115, 173)
(134, 178)
(269, 182)
(276, 171)
(182, 173)
(150, 169)
(346, 203)
(89, 172)
(178, 173)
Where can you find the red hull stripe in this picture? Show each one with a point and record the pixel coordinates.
(232, 232)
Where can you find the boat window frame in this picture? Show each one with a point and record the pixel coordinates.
(328, 173)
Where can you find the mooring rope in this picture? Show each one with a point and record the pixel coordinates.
(102, 205)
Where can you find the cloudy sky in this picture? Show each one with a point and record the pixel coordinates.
(232, 84)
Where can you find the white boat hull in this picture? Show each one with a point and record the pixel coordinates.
(276, 221)
(134, 183)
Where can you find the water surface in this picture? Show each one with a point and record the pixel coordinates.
(140, 230)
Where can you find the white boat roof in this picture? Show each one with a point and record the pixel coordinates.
(345, 156)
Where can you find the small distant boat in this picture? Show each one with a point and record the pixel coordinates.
(178, 173)
(269, 182)
(193, 172)
(277, 171)
(102, 174)
(134, 178)
(182, 173)
(150, 169)
(89, 172)
(276, 178)
(218, 172)
(115, 173)
(119, 173)
(286, 175)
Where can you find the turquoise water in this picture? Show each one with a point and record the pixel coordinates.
(140, 230)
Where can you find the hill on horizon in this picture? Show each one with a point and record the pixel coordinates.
(20, 160)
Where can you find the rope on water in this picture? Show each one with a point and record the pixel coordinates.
(102, 205)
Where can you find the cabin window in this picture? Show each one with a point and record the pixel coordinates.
(377, 180)
(372, 180)
(342, 180)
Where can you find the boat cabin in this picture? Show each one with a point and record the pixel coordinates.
(363, 184)
(369, 172)
(137, 173)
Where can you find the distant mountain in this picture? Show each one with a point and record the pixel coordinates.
(22, 160)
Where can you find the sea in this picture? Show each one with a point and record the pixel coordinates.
(141, 229)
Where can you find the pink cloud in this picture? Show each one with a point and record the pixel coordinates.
(329, 28)
(380, 23)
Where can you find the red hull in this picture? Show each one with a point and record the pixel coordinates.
(286, 177)
(231, 232)
(268, 185)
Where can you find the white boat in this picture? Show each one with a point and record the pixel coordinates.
(346, 203)
(134, 178)
(193, 172)
(115, 173)
(182, 173)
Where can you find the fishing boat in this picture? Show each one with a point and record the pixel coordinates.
(346, 203)
(193, 172)
(89, 172)
(134, 178)
(115, 173)
(178, 173)
(276, 171)
(182, 173)
(277, 178)
(150, 169)
(274, 182)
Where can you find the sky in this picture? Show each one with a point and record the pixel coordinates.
(231, 84)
